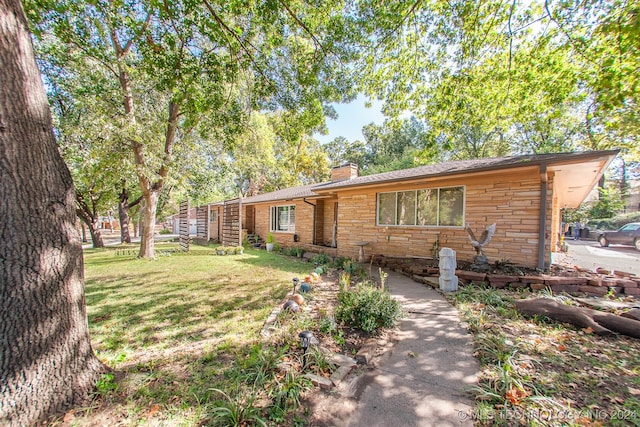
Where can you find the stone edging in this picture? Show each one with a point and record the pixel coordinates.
(592, 284)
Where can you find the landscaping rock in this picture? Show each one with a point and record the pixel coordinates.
(626, 283)
(471, 276)
(632, 291)
(339, 374)
(554, 280)
(366, 353)
(538, 286)
(518, 285)
(531, 279)
(570, 289)
(634, 313)
(595, 281)
(500, 280)
(299, 299)
(342, 360)
(318, 381)
(594, 290)
(622, 273)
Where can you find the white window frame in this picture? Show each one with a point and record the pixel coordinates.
(274, 219)
(437, 225)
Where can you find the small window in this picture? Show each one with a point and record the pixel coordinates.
(283, 218)
(213, 215)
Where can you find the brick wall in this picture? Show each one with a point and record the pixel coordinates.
(509, 200)
(304, 223)
(347, 171)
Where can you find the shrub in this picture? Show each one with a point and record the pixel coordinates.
(339, 262)
(367, 308)
(353, 268)
(320, 259)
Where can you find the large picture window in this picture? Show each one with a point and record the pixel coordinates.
(429, 207)
(283, 218)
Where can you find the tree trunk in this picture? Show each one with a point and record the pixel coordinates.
(47, 363)
(96, 234)
(93, 224)
(148, 215)
(123, 214)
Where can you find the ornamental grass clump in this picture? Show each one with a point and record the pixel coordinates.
(367, 308)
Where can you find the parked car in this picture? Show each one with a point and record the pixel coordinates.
(628, 234)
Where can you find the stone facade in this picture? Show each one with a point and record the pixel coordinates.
(511, 200)
(506, 191)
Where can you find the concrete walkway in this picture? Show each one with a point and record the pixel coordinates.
(421, 380)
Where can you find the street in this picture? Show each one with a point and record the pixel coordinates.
(589, 254)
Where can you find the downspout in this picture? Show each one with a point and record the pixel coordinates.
(240, 222)
(543, 217)
(313, 238)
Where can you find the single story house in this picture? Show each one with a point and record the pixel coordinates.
(413, 212)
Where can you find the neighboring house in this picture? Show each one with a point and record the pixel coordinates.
(413, 212)
(174, 222)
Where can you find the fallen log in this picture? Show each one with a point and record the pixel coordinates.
(600, 322)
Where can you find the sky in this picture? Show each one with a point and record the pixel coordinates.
(352, 118)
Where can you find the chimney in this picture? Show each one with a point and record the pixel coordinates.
(347, 171)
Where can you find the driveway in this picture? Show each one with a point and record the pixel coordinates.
(589, 254)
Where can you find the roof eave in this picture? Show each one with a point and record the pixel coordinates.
(330, 188)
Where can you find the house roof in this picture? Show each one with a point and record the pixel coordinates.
(469, 166)
(577, 172)
(300, 192)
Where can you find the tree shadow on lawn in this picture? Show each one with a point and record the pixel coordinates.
(172, 335)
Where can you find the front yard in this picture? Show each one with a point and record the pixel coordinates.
(182, 336)
(175, 330)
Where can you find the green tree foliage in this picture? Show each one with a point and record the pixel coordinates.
(397, 144)
(609, 203)
(494, 78)
(341, 151)
(182, 72)
(95, 167)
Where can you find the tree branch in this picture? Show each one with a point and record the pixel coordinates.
(304, 26)
(400, 24)
(226, 28)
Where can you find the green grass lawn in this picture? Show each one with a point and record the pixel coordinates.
(172, 329)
